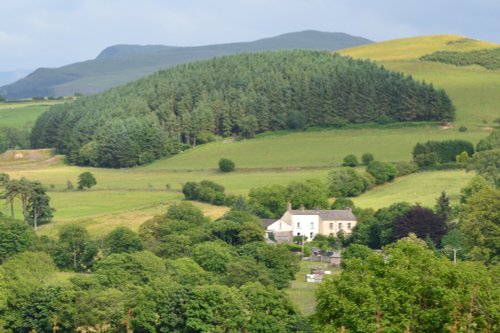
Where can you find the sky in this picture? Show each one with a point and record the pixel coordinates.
(53, 33)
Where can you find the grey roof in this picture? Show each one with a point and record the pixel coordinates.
(267, 222)
(328, 215)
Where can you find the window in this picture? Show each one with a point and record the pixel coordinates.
(340, 226)
(331, 225)
(331, 234)
(298, 225)
(311, 235)
(298, 234)
(349, 226)
(312, 225)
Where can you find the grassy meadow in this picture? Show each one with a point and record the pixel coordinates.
(22, 114)
(313, 149)
(131, 196)
(473, 89)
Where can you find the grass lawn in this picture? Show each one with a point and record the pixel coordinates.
(473, 89)
(131, 196)
(302, 293)
(415, 47)
(423, 188)
(22, 114)
(313, 149)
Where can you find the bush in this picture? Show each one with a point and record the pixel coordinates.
(86, 180)
(434, 152)
(205, 191)
(462, 129)
(368, 181)
(350, 161)
(426, 160)
(122, 240)
(191, 190)
(381, 171)
(342, 203)
(346, 183)
(226, 165)
(462, 158)
(404, 168)
(367, 158)
(445, 166)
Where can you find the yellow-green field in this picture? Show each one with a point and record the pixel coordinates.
(415, 47)
(131, 196)
(473, 89)
(314, 149)
(22, 114)
(422, 188)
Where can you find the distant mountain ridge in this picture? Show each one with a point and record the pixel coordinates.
(7, 77)
(120, 64)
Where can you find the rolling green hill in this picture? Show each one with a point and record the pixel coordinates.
(22, 114)
(312, 149)
(190, 104)
(134, 195)
(473, 89)
(119, 64)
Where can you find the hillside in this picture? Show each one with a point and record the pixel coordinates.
(473, 89)
(191, 104)
(120, 64)
(414, 47)
(8, 77)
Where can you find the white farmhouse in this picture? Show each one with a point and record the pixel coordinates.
(309, 223)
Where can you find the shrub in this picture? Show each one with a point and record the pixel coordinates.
(205, 191)
(462, 129)
(350, 161)
(342, 203)
(381, 171)
(434, 152)
(122, 240)
(367, 158)
(191, 190)
(226, 165)
(446, 166)
(86, 180)
(345, 183)
(462, 158)
(404, 168)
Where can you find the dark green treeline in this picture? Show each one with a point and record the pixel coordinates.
(235, 95)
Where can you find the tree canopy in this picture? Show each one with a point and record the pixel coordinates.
(407, 288)
(159, 115)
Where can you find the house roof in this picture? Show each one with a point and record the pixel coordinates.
(328, 215)
(267, 222)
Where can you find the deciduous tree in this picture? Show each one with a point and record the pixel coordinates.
(226, 165)
(74, 249)
(421, 221)
(86, 180)
(408, 288)
(480, 224)
(122, 239)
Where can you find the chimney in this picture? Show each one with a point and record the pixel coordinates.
(301, 208)
(288, 206)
